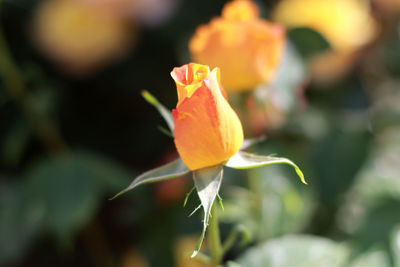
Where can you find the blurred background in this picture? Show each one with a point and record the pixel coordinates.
(74, 130)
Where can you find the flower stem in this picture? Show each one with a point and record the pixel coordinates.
(253, 179)
(230, 241)
(256, 187)
(214, 237)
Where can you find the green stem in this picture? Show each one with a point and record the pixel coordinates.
(13, 83)
(214, 237)
(230, 241)
(255, 186)
(253, 178)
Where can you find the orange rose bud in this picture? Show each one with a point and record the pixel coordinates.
(207, 130)
(247, 48)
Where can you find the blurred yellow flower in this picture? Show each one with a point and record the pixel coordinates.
(247, 48)
(80, 36)
(207, 130)
(346, 24)
(331, 65)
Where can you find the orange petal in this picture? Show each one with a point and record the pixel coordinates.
(240, 10)
(207, 130)
(188, 78)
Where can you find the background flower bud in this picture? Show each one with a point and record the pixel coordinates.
(247, 48)
(207, 130)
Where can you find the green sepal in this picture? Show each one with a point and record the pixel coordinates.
(194, 211)
(165, 131)
(248, 142)
(165, 113)
(168, 171)
(207, 182)
(220, 202)
(244, 160)
(187, 196)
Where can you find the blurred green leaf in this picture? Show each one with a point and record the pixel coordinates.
(372, 258)
(377, 224)
(20, 221)
(244, 160)
(70, 187)
(296, 250)
(207, 182)
(386, 110)
(286, 205)
(370, 210)
(232, 264)
(307, 41)
(14, 142)
(337, 160)
(168, 171)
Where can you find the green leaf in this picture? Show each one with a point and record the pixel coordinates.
(207, 182)
(165, 113)
(69, 189)
(308, 42)
(20, 222)
(244, 160)
(375, 194)
(15, 141)
(296, 250)
(168, 171)
(333, 181)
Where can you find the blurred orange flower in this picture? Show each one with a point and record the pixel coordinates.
(207, 130)
(171, 191)
(134, 258)
(78, 35)
(183, 249)
(247, 48)
(346, 24)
